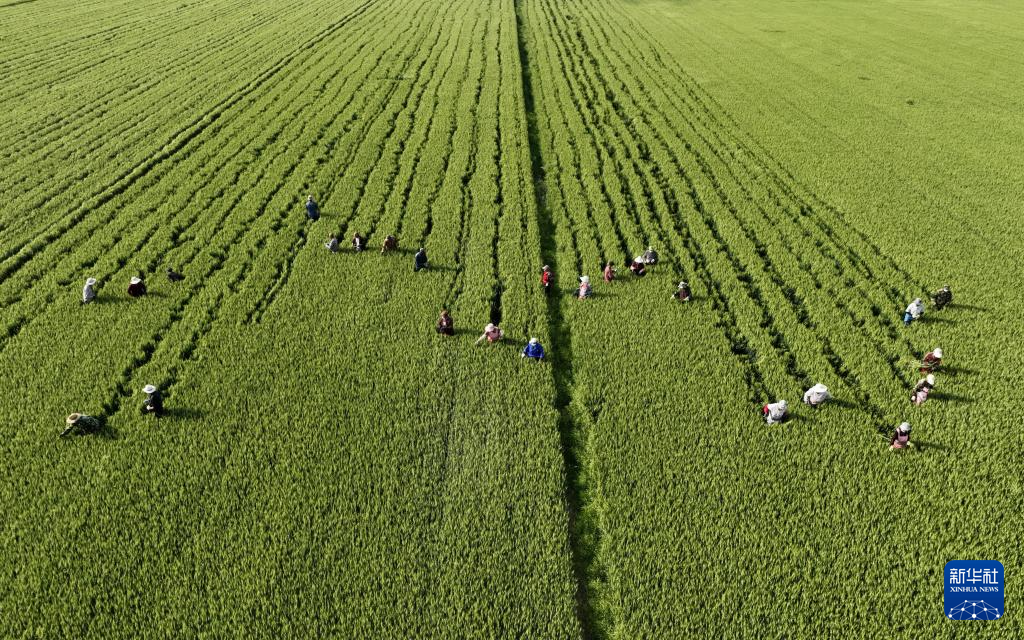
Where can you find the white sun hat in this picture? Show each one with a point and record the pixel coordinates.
(490, 327)
(930, 378)
(90, 281)
(937, 352)
(533, 340)
(73, 418)
(148, 389)
(905, 427)
(585, 279)
(135, 280)
(783, 404)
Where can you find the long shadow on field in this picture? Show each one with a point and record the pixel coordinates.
(954, 398)
(967, 307)
(183, 413)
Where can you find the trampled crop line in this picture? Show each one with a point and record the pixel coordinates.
(740, 344)
(197, 211)
(100, 142)
(284, 268)
(20, 323)
(801, 314)
(755, 150)
(16, 257)
(593, 617)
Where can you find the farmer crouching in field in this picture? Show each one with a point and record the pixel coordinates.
(942, 297)
(817, 396)
(491, 333)
(931, 361)
(901, 438)
(584, 291)
(922, 389)
(154, 402)
(136, 287)
(332, 244)
(775, 412)
(390, 244)
(914, 312)
(419, 260)
(682, 293)
(358, 243)
(650, 256)
(445, 324)
(533, 350)
(80, 424)
(637, 267)
(89, 291)
(312, 209)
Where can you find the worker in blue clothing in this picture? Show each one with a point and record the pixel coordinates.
(312, 209)
(533, 350)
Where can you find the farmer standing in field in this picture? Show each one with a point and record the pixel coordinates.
(154, 402)
(931, 361)
(136, 287)
(609, 272)
(914, 311)
(312, 209)
(650, 256)
(174, 276)
(816, 396)
(901, 438)
(682, 293)
(775, 412)
(922, 389)
(942, 297)
(79, 423)
(445, 324)
(491, 333)
(88, 291)
(420, 260)
(390, 244)
(545, 279)
(533, 350)
(332, 243)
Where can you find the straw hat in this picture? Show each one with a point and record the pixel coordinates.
(148, 389)
(135, 280)
(90, 281)
(73, 418)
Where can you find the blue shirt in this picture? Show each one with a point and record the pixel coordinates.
(533, 351)
(312, 210)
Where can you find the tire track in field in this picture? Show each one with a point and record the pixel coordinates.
(583, 547)
(14, 258)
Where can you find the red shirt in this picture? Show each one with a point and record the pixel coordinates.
(545, 278)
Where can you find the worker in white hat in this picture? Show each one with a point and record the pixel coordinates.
(154, 401)
(89, 291)
(312, 209)
(914, 311)
(683, 293)
(491, 333)
(775, 412)
(931, 361)
(136, 287)
(817, 395)
(533, 350)
(650, 256)
(584, 290)
(922, 389)
(901, 438)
